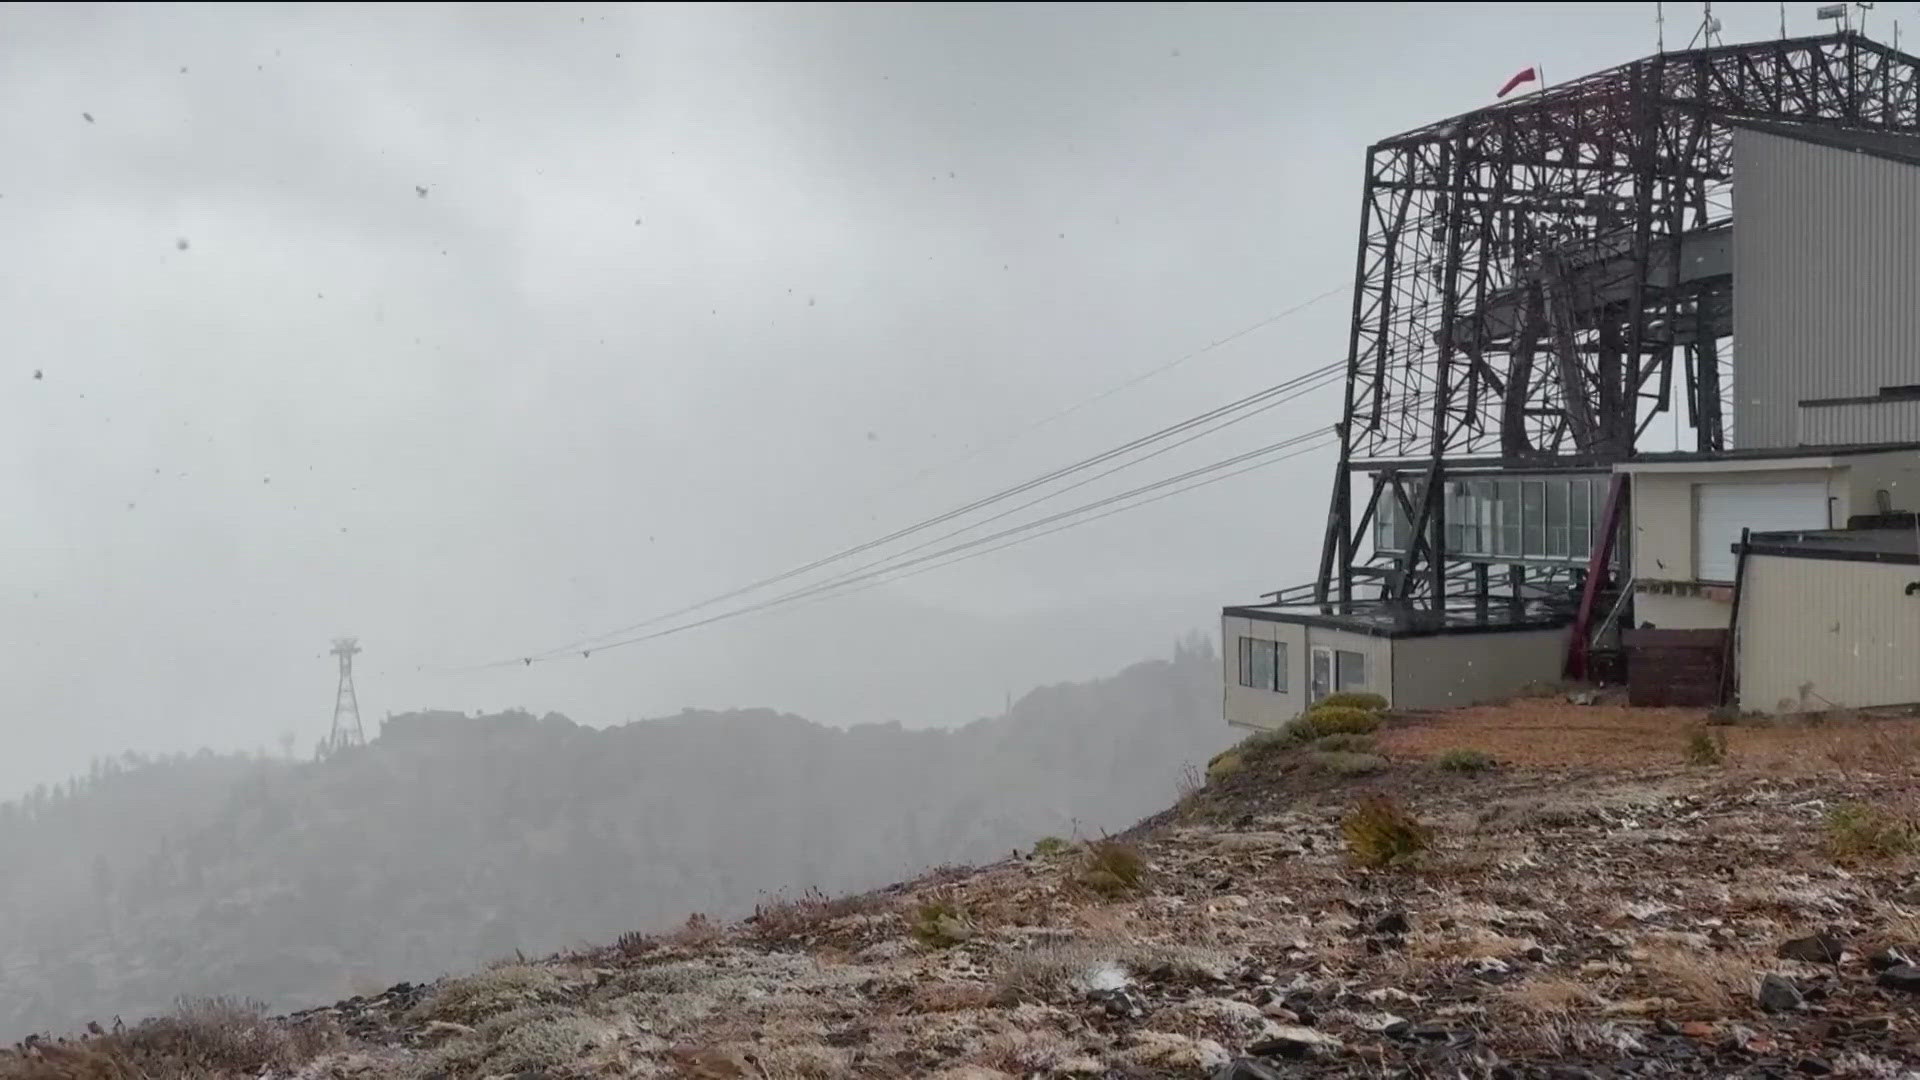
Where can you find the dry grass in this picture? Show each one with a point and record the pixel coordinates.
(787, 919)
(201, 1038)
(1718, 984)
(1553, 732)
(498, 990)
(698, 932)
(942, 997)
(1551, 995)
(1464, 944)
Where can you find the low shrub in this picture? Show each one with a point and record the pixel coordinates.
(1706, 748)
(784, 919)
(201, 1037)
(1465, 761)
(1346, 763)
(1104, 883)
(1354, 699)
(940, 924)
(1380, 832)
(473, 998)
(1048, 846)
(1121, 860)
(1345, 742)
(1224, 765)
(1341, 719)
(1858, 833)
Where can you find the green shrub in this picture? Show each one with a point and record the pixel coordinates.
(1858, 833)
(1345, 742)
(1121, 860)
(1465, 761)
(1379, 832)
(1331, 719)
(1224, 765)
(1049, 846)
(1706, 748)
(1354, 699)
(940, 924)
(1344, 763)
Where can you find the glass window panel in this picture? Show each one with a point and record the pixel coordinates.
(1557, 518)
(1321, 677)
(1507, 514)
(1280, 666)
(1349, 670)
(1480, 497)
(1579, 529)
(1246, 661)
(1383, 514)
(1263, 665)
(1533, 517)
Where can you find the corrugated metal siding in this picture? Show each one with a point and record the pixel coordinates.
(1451, 670)
(1818, 634)
(1879, 421)
(1825, 280)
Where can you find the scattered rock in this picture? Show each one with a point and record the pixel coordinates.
(1814, 1066)
(1887, 958)
(1294, 1042)
(1822, 948)
(1392, 923)
(1901, 977)
(1246, 1069)
(1778, 994)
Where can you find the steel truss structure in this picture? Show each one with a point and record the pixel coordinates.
(1537, 281)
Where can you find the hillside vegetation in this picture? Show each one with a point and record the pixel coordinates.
(453, 837)
(1541, 911)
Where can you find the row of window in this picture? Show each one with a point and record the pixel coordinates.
(1553, 517)
(1263, 666)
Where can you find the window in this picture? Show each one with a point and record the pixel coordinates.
(1384, 512)
(1557, 519)
(1533, 518)
(1507, 518)
(1579, 520)
(1481, 498)
(1263, 664)
(1349, 670)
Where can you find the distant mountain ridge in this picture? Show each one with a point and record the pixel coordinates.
(451, 837)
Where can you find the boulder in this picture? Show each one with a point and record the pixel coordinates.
(1778, 994)
(1901, 977)
(1822, 948)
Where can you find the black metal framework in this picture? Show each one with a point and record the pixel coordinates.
(1538, 280)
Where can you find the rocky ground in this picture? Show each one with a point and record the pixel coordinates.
(1592, 906)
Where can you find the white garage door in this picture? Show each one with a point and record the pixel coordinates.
(1720, 511)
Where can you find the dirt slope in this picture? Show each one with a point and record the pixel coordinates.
(1591, 907)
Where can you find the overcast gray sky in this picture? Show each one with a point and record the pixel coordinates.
(692, 296)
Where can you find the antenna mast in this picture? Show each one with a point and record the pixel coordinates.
(346, 704)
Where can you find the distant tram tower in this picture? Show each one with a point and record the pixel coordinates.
(346, 704)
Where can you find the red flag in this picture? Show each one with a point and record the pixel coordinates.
(1526, 76)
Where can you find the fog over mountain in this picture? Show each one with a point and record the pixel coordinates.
(451, 839)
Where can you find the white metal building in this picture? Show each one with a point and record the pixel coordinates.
(1829, 620)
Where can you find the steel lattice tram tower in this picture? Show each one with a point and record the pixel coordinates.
(1538, 280)
(346, 704)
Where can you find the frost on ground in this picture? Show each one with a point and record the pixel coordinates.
(1567, 918)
